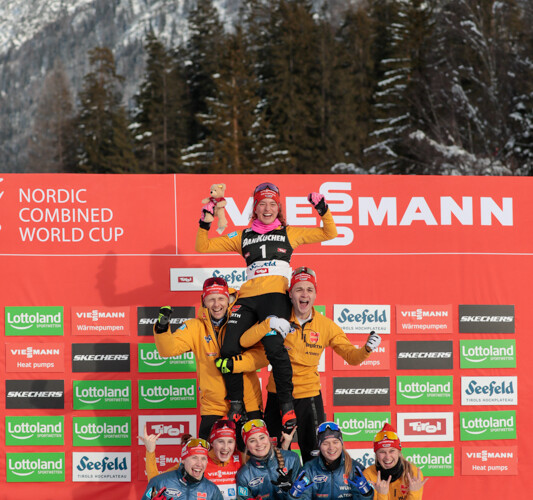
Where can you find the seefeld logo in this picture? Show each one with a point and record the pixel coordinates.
(489, 390)
(356, 318)
(98, 467)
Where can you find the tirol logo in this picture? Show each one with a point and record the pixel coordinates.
(178, 393)
(361, 391)
(424, 390)
(362, 318)
(489, 391)
(35, 394)
(191, 279)
(45, 320)
(150, 361)
(102, 394)
(101, 431)
(101, 357)
(424, 319)
(35, 431)
(430, 426)
(496, 353)
(361, 426)
(431, 461)
(101, 467)
(379, 360)
(489, 461)
(147, 317)
(483, 425)
(365, 456)
(35, 467)
(169, 427)
(424, 355)
(35, 357)
(486, 319)
(100, 320)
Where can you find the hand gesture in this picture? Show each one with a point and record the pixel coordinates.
(373, 341)
(415, 481)
(149, 440)
(286, 439)
(381, 486)
(319, 202)
(159, 495)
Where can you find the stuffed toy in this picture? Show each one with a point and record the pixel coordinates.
(217, 202)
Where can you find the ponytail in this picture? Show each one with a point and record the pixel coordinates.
(348, 466)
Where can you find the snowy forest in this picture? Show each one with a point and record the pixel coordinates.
(385, 87)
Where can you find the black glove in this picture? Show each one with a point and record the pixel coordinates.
(284, 481)
(159, 495)
(225, 365)
(319, 202)
(163, 319)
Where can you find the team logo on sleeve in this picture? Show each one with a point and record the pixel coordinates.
(243, 491)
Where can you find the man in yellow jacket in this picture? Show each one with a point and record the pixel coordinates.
(312, 333)
(204, 336)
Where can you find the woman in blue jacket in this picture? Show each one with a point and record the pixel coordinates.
(333, 474)
(268, 472)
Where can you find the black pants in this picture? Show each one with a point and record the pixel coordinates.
(245, 314)
(309, 415)
(207, 421)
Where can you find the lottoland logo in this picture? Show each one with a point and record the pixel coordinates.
(482, 425)
(180, 393)
(35, 431)
(46, 320)
(497, 353)
(101, 431)
(35, 467)
(361, 426)
(151, 362)
(428, 390)
(102, 394)
(432, 461)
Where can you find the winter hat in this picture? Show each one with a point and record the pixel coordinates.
(194, 447)
(252, 427)
(215, 285)
(387, 438)
(264, 191)
(303, 274)
(222, 428)
(328, 430)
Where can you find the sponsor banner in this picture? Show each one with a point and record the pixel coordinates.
(35, 431)
(431, 426)
(483, 425)
(101, 431)
(424, 319)
(151, 362)
(35, 467)
(178, 393)
(33, 320)
(102, 357)
(431, 461)
(171, 427)
(101, 394)
(35, 357)
(361, 391)
(489, 391)
(378, 360)
(424, 390)
(365, 456)
(494, 353)
(424, 355)
(192, 279)
(147, 317)
(101, 467)
(489, 461)
(100, 320)
(35, 394)
(361, 426)
(165, 458)
(357, 318)
(486, 318)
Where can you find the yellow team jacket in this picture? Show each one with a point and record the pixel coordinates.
(267, 284)
(305, 346)
(197, 335)
(397, 490)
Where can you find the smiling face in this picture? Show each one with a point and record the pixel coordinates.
(303, 296)
(195, 465)
(267, 211)
(258, 444)
(217, 305)
(388, 457)
(331, 449)
(223, 448)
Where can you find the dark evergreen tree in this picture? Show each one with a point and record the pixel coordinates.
(105, 144)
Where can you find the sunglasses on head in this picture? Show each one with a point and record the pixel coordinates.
(214, 281)
(195, 442)
(380, 436)
(256, 422)
(327, 425)
(266, 185)
(223, 424)
(304, 269)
